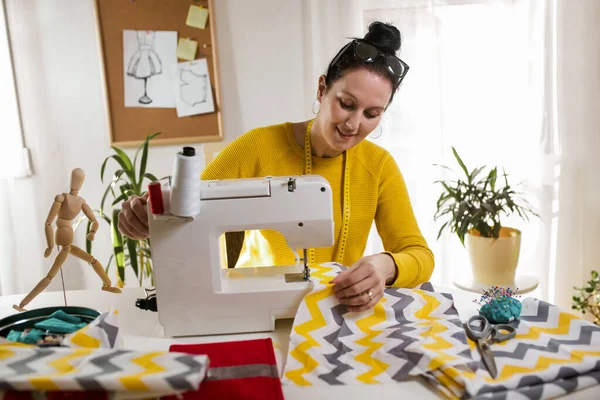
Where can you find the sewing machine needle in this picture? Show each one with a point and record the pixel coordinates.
(306, 269)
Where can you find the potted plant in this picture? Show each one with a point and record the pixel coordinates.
(472, 207)
(130, 179)
(588, 298)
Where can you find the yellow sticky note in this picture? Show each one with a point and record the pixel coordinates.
(197, 17)
(186, 49)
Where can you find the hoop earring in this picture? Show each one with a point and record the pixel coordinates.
(318, 103)
(380, 133)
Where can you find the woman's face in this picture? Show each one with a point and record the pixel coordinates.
(351, 108)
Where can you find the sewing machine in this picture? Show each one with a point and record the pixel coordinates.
(196, 295)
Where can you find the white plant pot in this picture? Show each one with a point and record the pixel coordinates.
(494, 261)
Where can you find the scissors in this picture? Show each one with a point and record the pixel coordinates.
(483, 333)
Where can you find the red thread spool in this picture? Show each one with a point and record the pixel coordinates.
(156, 199)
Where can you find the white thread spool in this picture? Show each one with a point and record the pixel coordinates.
(185, 188)
(166, 195)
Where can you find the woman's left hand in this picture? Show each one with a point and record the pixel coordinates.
(361, 286)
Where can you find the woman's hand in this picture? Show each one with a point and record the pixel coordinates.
(133, 218)
(361, 286)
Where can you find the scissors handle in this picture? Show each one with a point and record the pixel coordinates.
(501, 333)
(478, 327)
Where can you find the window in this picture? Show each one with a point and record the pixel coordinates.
(13, 155)
(476, 83)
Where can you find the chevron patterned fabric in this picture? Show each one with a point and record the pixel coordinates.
(418, 332)
(101, 332)
(409, 332)
(554, 353)
(91, 363)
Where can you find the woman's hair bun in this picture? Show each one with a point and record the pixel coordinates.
(385, 37)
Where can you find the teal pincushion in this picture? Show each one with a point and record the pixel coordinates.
(499, 305)
(501, 310)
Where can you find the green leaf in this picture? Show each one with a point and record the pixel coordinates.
(103, 167)
(124, 166)
(110, 188)
(146, 251)
(88, 242)
(151, 177)
(443, 166)
(475, 172)
(133, 259)
(145, 158)
(442, 230)
(108, 264)
(460, 162)
(125, 162)
(117, 240)
(119, 199)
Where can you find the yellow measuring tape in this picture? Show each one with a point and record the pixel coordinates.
(345, 201)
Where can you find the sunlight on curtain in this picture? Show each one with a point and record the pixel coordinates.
(477, 83)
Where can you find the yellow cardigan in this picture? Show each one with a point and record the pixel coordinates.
(377, 191)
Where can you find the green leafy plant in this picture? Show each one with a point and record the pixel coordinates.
(130, 179)
(588, 298)
(475, 202)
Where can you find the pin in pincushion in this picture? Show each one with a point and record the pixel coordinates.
(499, 305)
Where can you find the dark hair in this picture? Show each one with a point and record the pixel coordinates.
(386, 38)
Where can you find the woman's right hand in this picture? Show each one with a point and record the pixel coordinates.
(133, 218)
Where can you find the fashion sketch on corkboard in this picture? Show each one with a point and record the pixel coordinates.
(146, 53)
(145, 62)
(192, 88)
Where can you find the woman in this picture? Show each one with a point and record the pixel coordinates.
(352, 96)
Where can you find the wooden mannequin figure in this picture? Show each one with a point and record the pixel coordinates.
(66, 207)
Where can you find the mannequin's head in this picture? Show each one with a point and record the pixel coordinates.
(77, 177)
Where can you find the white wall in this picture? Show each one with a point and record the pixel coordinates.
(56, 57)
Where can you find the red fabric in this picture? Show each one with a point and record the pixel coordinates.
(226, 354)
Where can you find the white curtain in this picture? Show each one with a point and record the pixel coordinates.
(12, 153)
(578, 124)
(484, 79)
(13, 162)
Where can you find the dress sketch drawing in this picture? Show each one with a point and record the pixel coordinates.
(145, 62)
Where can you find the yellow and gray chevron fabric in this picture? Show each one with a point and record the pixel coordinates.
(418, 332)
(409, 332)
(101, 332)
(554, 353)
(90, 365)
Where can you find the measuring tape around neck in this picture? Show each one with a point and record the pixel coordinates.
(345, 202)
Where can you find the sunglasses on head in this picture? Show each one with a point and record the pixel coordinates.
(369, 53)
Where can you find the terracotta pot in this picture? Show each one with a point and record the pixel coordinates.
(494, 261)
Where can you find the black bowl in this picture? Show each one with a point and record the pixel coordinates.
(27, 319)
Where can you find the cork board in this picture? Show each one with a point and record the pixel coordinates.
(129, 126)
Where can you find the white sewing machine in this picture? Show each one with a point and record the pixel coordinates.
(196, 296)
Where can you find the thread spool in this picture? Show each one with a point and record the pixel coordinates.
(166, 195)
(156, 198)
(185, 188)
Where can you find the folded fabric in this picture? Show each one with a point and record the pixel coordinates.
(30, 337)
(63, 316)
(553, 353)
(56, 325)
(409, 332)
(238, 370)
(102, 332)
(31, 368)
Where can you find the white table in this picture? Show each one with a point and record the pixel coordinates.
(143, 332)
